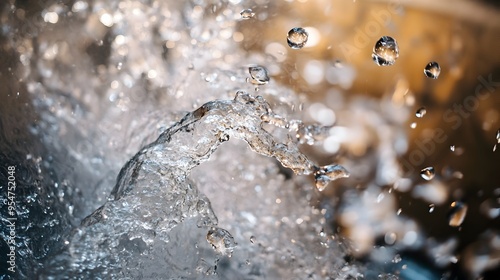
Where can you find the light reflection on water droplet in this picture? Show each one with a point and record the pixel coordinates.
(431, 208)
(385, 51)
(247, 14)
(432, 70)
(421, 112)
(297, 38)
(427, 173)
(458, 211)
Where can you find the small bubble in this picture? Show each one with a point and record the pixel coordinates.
(421, 112)
(432, 70)
(297, 38)
(431, 208)
(247, 14)
(385, 51)
(456, 216)
(259, 75)
(427, 173)
(252, 239)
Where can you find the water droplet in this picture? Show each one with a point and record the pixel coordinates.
(247, 14)
(297, 38)
(413, 125)
(329, 173)
(421, 112)
(432, 70)
(252, 239)
(498, 136)
(452, 148)
(385, 51)
(457, 213)
(259, 75)
(427, 173)
(221, 240)
(431, 208)
(390, 238)
(399, 211)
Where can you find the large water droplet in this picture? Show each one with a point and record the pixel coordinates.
(297, 38)
(432, 70)
(385, 51)
(421, 112)
(259, 75)
(427, 173)
(221, 240)
(247, 14)
(329, 173)
(457, 213)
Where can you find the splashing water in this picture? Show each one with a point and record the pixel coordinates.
(385, 51)
(157, 176)
(427, 173)
(297, 38)
(432, 70)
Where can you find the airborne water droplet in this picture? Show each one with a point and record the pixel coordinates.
(432, 70)
(427, 173)
(385, 51)
(252, 239)
(452, 148)
(247, 14)
(259, 75)
(297, 38)
(413, 125)
(221, 240)
(329, 173)
(498, 136)
(431, 208)
(457, 213)
(421, 112)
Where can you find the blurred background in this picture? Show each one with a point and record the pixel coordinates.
(85, 84)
